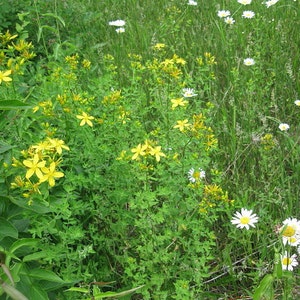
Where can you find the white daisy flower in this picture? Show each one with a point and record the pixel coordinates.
(118, 23)
(187, 93)
(229, 20)
(284, 127)
(249, 61)
(248, 14)
(297, 102)
(288, 262)
(290, 228)
(120, 30)
(191, 2)
(271, 2)
(223, 13)
(244, 2)
(244, 219)
(291, 240)
(196, 175)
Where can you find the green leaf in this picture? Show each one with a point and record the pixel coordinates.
(37, 292)
(7, 229)
(5, 147)
(13, 104)
(264, 286)
(78, 289)
(35, 256)
(37, 207)
(114, 294)
(23, 242)
(42, 274)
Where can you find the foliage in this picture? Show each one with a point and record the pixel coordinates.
(124, 153)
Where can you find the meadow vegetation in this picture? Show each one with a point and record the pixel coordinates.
(149, 149)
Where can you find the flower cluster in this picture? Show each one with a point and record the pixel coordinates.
(14, 54)
(268, 142)
(214, 197)
(41, 162)
(148, 148)
(289, 231)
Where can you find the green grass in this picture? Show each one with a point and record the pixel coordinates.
(140, 222)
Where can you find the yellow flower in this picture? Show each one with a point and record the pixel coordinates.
(34, 166)
(179, 60)
(58, 145)
(157, 153)
(159, 46)
(85, 119)
(139, 150)
(182, 125)
(50, 174)
(178, 102)
(86, 64)
(4, 76)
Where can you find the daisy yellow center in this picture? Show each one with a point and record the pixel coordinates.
(289, 231)
(286, 261)
(244, 220)
(196, 175)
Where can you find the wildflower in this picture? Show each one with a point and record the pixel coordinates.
(178, 102)
(58, 145)
(34, 166)
(120, 30)
(244, 2)
(4, 76)
(187, 93)
(223, 13)
(196, 175)
(192, 2)
(139, 150)
(297, 102)
(85, 119)
(229, 20)
(288, 262)
(291, 240)
(122, 155)
(50, 174)
(290, 231)
(249, 61)
(248, 14)
(271, 2)
(86, 63)
(244, 219)
(159, 46)
(118, 23)
(268, 141)
(157, 153)
(284, 127)
(179, 60)
(181, 125)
